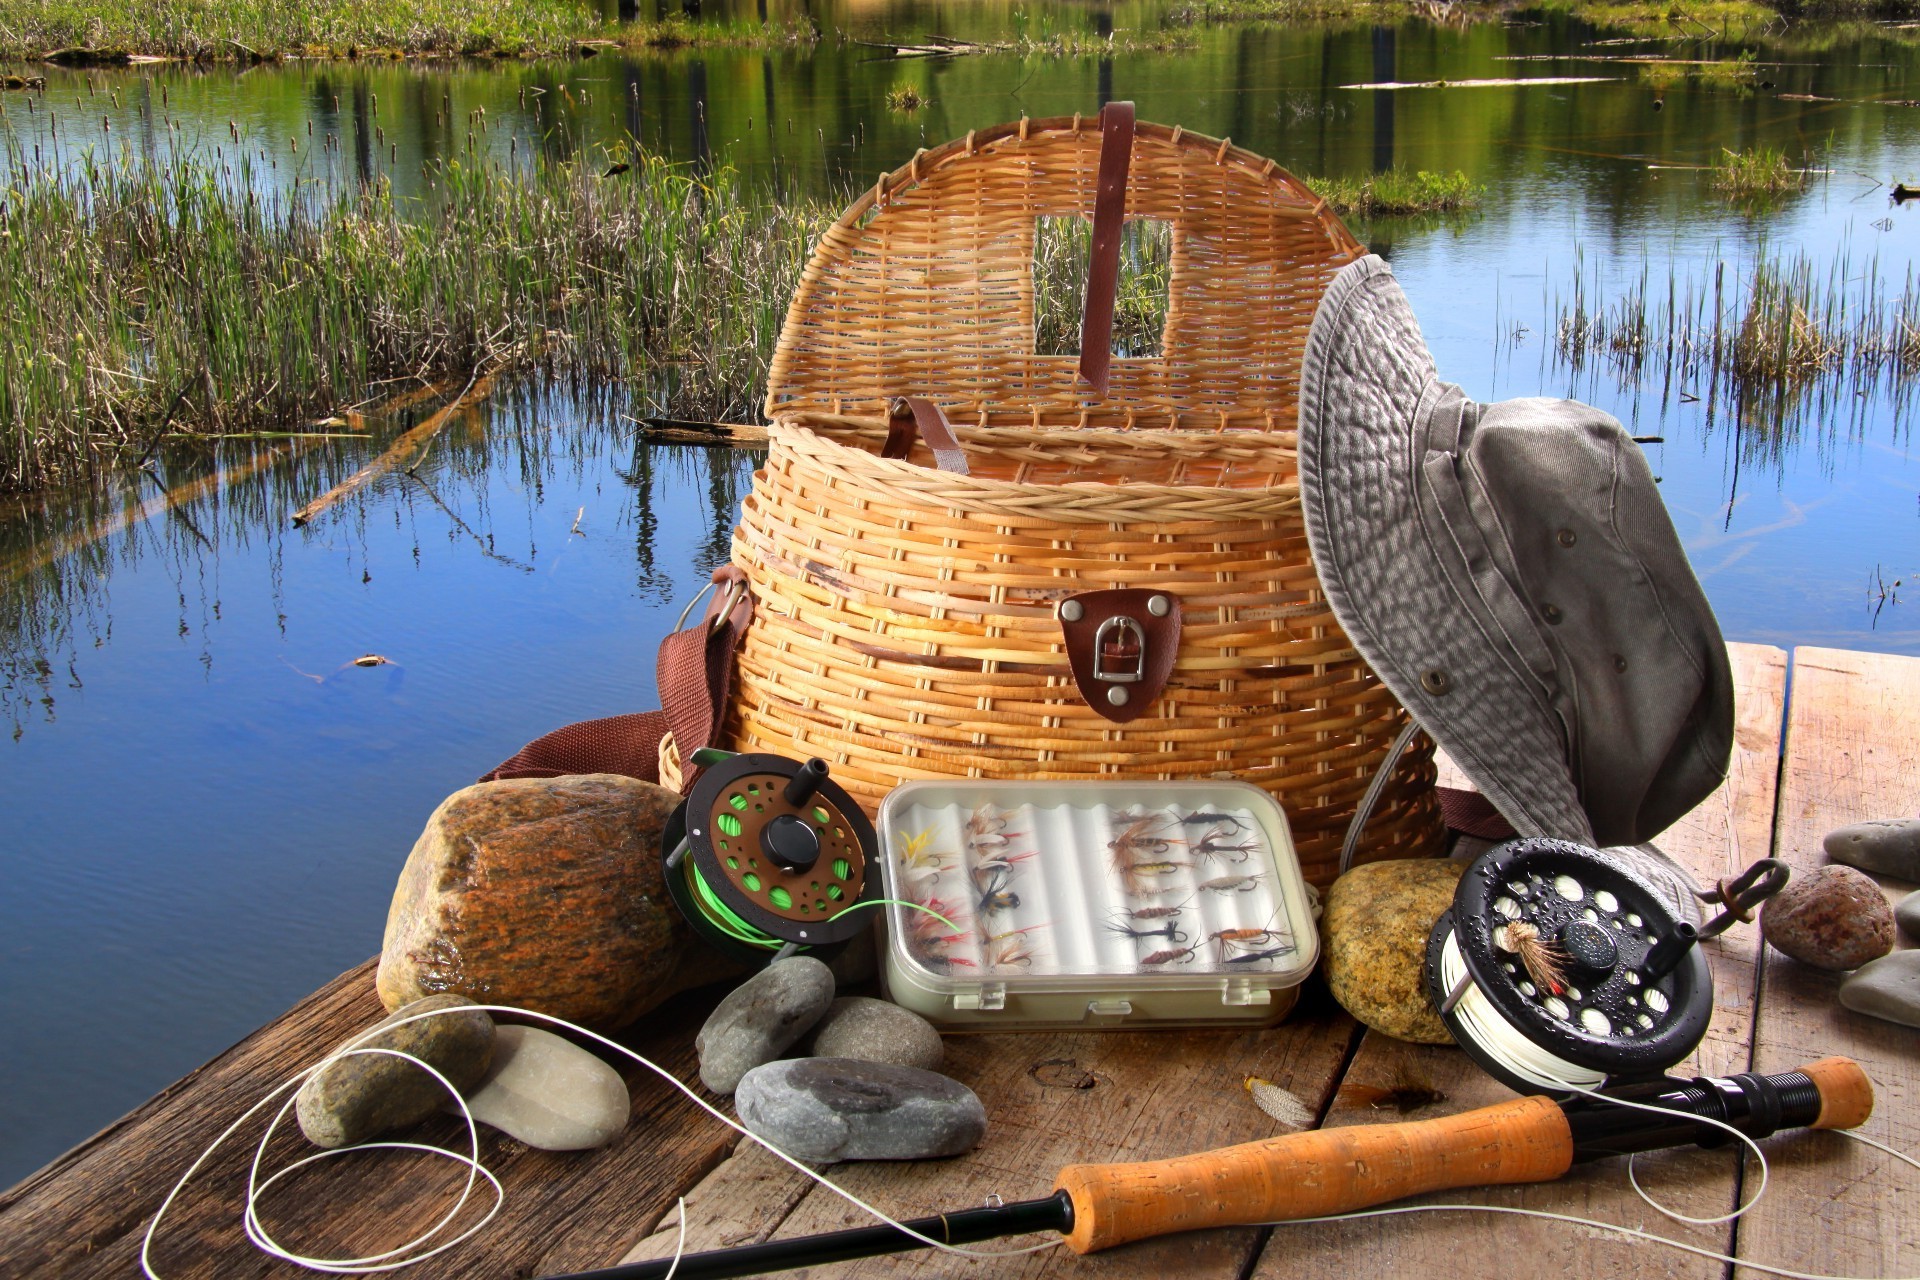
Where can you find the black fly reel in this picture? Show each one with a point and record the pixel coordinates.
(767, 856)
(1558, 967)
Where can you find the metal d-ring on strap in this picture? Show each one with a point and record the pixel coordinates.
(728, 603)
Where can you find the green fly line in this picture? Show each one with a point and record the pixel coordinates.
(723, 918)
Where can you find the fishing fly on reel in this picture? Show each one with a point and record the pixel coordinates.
(767, 857)
(1556, 966)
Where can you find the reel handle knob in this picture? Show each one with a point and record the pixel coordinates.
(1665, 955)
(805, 781)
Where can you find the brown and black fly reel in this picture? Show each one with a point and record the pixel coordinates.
(1559, 969)
(768, 857)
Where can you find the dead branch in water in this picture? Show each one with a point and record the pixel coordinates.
(397, 453)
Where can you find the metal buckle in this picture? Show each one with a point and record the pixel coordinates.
(728, 603)
(1127, 626)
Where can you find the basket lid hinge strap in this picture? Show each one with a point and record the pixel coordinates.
(1103, 267)
(695, 667)
(909, 416)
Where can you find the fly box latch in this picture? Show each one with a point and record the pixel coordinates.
(988, 997)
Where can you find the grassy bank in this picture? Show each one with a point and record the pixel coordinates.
(1398, 192)
(246, 30)
(137, 299)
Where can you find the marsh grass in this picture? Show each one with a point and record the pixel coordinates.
(244, 30)
(1398, 192)
(1760, 174)
(1061, 248)
(139, 297)
(905, 99)
(1780, 339)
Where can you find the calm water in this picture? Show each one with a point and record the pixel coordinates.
(206, 803)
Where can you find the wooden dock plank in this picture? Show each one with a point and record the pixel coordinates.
(1054, 1099)
(85, 1214)
(1835, 1207)
(1729, 829)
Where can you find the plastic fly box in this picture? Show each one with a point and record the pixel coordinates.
(1076, 904)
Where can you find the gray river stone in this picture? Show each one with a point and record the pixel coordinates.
(549, 1093)
(761, 1018)
(364, 1095)
(1887, 988)
(1906, 914)
(876, 1031)
(1887, 846)
(843, 1109)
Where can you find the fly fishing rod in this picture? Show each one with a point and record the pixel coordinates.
(1332, 1171)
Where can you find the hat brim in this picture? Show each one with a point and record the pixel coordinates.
(1367, 386)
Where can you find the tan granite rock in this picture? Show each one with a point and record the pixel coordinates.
(543, 893)
(1374, 943)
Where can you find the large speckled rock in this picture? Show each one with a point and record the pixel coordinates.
(543, 893)
(840, 1109)
(1831, 918)
(761, 1018)
(1374, 943)
(876, 1031)
(1889, 846)
(366, 1094)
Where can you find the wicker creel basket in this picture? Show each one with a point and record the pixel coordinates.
(909, 620)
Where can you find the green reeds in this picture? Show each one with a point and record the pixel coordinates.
(1762, 173)
(1398, 192)
(1779, 334)
(139, 297)
(905, 99)
(247, 30)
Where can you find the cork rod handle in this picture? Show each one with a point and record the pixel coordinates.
(1305, 1175)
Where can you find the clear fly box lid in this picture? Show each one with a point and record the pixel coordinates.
(1076, 904)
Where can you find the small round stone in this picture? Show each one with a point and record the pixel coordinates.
(841, 1109)
(761, 1018)
(549, 1093)
(1375, 931)
(870, 1030)
(1906, 914)
(1888, 846)
(1831, 918)
(364, 1095)
(1886, 988)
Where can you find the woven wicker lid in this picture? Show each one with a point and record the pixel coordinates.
(925, 285)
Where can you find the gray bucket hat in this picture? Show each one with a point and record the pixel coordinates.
(1511, 573)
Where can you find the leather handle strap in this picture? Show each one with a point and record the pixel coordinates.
(909, 416)
(1103, 267)
(695, 667)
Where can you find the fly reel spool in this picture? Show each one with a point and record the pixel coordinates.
(1558, 967)
(768, 856)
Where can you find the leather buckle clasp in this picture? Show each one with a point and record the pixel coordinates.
(1121, 646)
(1119, 641)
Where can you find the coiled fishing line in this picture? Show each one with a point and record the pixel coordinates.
(1496, 1035)
(395, 1258)
(1555, 965)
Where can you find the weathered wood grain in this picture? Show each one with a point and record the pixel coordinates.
(1728, 830)
(1835, 1207)
(85, 1214)
(1053, 1099)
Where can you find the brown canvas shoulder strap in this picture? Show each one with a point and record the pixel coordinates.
(695, 671)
